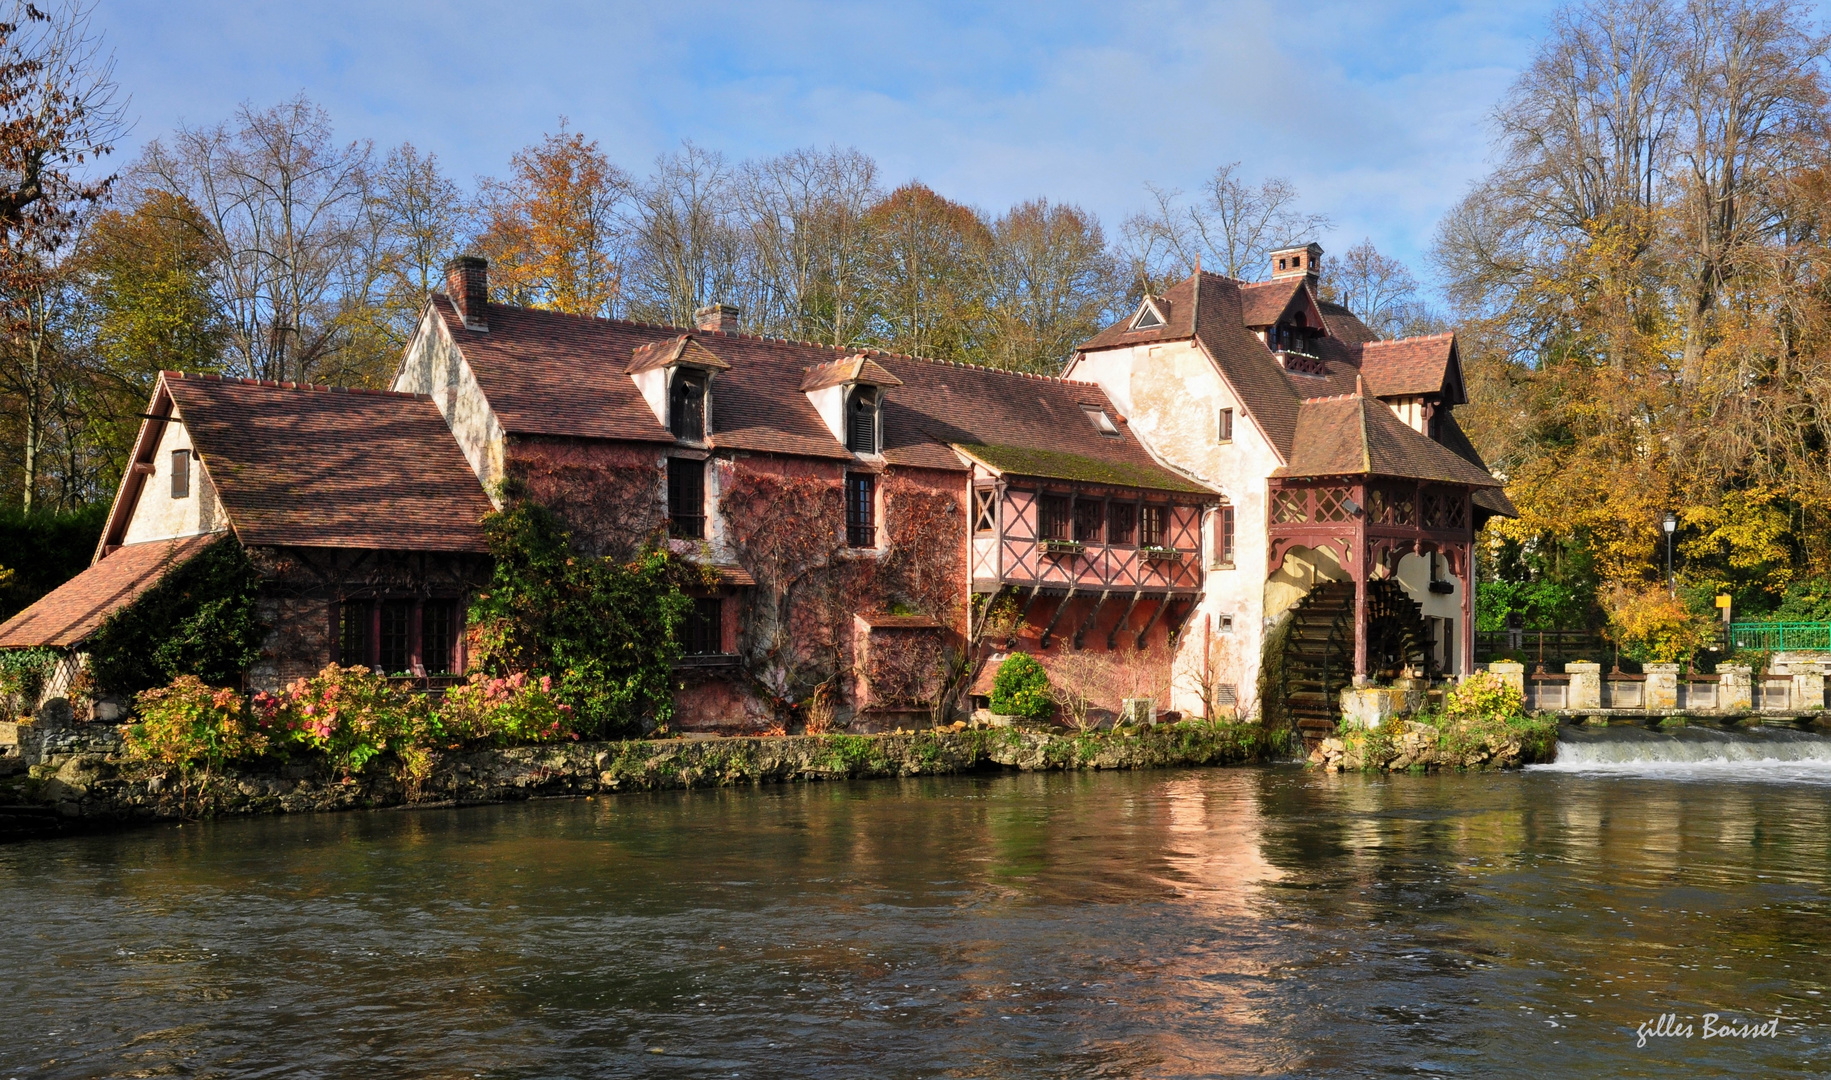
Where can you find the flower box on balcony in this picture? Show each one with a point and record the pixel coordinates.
(1060, 547)
(1160, 554)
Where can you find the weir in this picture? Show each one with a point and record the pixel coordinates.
(1701, 753)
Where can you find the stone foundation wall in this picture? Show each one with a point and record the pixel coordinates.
(102, 787)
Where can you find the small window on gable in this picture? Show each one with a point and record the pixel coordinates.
(181, 474)
(1147, 317)
(1223, 431)
(1102, 423)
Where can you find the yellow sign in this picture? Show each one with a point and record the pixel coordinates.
(1722, 600)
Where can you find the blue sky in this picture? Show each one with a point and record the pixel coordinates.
(1375, 110)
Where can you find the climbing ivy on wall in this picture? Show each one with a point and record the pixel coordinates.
(201, 619)
(607, 631)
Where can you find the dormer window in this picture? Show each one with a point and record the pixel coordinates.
(687, 405)
(1147, 317)
(1102, 423)
(862, 415)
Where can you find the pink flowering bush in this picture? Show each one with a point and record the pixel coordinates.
(188, 723)
(352, 715)
(512, 709)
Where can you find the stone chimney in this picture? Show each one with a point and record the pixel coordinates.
(716, 319)
(467, 282)
(1290, 262)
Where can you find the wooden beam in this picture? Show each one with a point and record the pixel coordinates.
(1138, 642)
(1043, 642)
(1091, 615)
(1023, 616)
(1176, 630)
(985, 612)
(1112, 638)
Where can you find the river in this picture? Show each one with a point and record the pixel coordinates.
(1251, 921)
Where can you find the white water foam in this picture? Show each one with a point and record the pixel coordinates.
(1761, 755)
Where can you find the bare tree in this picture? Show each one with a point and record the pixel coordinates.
(688, 246)
(1048, 282)
(287, 205)
(417, 221)
(925, 276)
(1230, 228)
(808, 243)
(1751, 82)
(1377, 288)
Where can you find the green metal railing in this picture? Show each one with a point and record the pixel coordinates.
(1779, 636)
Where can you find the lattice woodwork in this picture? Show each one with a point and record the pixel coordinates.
(1329, 504)
(1291, 507)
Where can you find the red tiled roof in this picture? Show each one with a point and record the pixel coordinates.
(316, 467)
(547, 374)
(1450, 434)
(1262, 302)
(1411, 367)
(1356, 435)
(852, 369)
(1344, 324)
(68, 614)
(684, 349)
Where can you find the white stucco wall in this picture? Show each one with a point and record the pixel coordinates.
(1414, 575)
(158, 516)
(1171, 395)
(434, 365)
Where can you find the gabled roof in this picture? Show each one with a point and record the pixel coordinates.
(1413, 367)
(685, 350)
(549, 369)
(852, 369)
(1358, 435)
(68, 614)
(1344, 324)
(323, 467)
(1451, 435)
(1262, 302)
(1207, 308)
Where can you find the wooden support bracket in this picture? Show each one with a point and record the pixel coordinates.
(1043, 642)
(1112, 637)
(1092, 614)
(1023, 616)
(1176, 630)
(1139, 640)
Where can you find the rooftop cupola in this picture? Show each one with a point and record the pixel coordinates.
(1290, 262)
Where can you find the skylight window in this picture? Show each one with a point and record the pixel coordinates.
(1102, 423)
(1147, 317)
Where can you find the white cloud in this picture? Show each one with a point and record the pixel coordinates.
(1375, 110)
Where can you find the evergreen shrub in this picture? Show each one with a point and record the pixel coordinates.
(1021, 688)
(201, 619)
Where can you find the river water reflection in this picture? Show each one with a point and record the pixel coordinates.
(1202, 923)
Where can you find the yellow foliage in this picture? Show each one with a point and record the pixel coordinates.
(1651, 626)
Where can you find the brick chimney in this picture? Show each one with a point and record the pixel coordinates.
(716, 319)
(1290, 262)
(467, 282)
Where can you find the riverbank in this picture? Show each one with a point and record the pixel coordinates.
(1401, 745)
(102, 787)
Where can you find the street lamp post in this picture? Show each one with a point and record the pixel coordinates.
(1671, 526)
